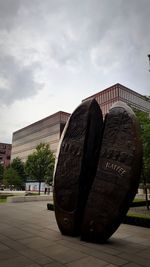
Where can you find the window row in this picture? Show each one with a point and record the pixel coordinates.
(48, 132)
(107, 95)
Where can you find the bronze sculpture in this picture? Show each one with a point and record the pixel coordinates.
(117, 177)
(97, 171)
(76, 165)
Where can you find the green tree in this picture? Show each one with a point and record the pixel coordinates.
(12, 178)
(144, 121)
(40, 164)
(1, 172)
(145, 135)
(19, 166)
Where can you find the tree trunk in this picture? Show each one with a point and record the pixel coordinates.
(39, 187)
(145, 189)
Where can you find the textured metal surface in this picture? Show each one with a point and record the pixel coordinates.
(117, 176)
(76, 165)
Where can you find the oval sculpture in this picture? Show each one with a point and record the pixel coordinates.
(76, 165)
(117, 177)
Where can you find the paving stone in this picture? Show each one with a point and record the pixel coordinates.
(32, 232)
(108, 247)
(88, 262)
(3, 247)
(50, 235)
(54, 264)
(129, 246)
(96, 251)
(145, 253)
(11, 253)
(131, 264)
(4, 226)
(31, 253)
(123, 245)
(15, 233)
(62, 254)
(137, 239)
(16, 262)
(106, 257)
(33, 265)
(13, 244)
(43, 260)
(82, 246)
(36, 242)
(135, 259)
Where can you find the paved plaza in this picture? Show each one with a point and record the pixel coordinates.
(29, 237)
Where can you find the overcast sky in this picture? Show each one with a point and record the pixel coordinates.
(54, 53)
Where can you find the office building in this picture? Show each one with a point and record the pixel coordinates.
(117, 92)
(47, 130)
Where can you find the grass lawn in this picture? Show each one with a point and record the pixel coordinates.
(138, 219)
(138, 200)
(4, 200)
(138, 215)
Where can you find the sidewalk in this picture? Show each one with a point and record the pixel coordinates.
(29, 237)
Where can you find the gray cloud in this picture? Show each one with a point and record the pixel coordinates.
(106, 36)
(8, 13)
(117, 33)
(16, 81)
(70, 48)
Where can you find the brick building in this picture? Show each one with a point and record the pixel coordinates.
(5, 154)
(117, 92)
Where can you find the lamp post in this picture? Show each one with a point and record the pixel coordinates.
(149, 60)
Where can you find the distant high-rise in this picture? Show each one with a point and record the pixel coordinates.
(47, 130)
(117, 92)
(5, 154)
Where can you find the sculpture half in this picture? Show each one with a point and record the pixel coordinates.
(117, 175)
(76, 165)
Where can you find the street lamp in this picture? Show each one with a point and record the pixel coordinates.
(149, 60)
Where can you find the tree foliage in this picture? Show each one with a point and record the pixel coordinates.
(1, 172)
(12, 178)
(144, 121)
(15, 174)
(40, 164)
(19, 166)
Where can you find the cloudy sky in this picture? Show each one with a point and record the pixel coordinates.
(54, 53)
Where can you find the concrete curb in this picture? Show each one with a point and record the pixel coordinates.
(16, 199)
